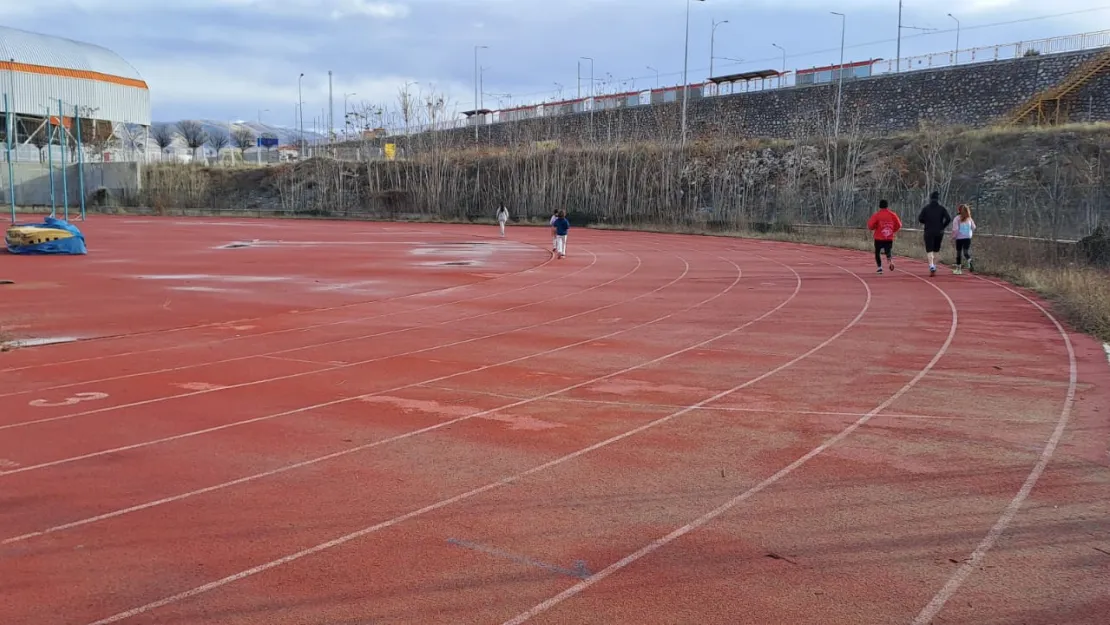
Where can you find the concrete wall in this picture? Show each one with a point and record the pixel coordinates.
(974, 95)
(32, 182)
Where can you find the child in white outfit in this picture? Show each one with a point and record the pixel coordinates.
(502, 218)
(554, 238)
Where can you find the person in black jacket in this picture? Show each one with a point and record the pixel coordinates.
(935, 220)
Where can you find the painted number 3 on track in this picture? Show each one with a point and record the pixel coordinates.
(68, 401)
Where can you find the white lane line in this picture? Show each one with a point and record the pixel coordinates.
(502, 482)
(300, 329)
(732, 503)
(216, 324)
(968, 566)
(771, 411)
(323, 370)
(326, 369)
(413, 433)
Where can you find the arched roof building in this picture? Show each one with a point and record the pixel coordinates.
(36, 71)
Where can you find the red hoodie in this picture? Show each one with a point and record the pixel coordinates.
(885, 223)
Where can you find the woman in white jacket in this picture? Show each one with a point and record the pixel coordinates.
(963, 227)
(502, 218)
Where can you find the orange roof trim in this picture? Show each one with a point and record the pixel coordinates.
(45, 70)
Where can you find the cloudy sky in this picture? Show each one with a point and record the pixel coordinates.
(228, 59)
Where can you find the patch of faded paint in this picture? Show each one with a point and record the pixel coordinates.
(421, 405)
(530, 424)
(200, 386)
(634, 387)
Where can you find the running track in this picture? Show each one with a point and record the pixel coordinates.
(391, 423)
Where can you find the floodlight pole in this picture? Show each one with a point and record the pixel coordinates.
(8, 126)
(81, 159)
(50, 162)
(685, 67)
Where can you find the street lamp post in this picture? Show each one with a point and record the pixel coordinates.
(300, 111)
(685, 69)
(783, 61)
(258, 142)
(840, 72)
(712, 36)
(898, 63)
(586, 58)
(346, 116)
(956, 58)
(656, 75)
(839, 90)
(476, 48)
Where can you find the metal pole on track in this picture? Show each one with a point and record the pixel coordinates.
(9, 126)
(65, 176)
(50, 162)
(80, 160)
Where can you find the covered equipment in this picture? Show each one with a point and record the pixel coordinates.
(52, 236)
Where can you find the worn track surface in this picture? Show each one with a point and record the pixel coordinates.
(344, 424)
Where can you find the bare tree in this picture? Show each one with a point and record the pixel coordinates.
(39, 141)
(162, 135)
(218, 140)
(243, 138)
(406, 102)
(99, 136)
(193, 133)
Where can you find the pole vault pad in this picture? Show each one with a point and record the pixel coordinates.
(52, 236)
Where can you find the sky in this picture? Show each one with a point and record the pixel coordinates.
(241, 59)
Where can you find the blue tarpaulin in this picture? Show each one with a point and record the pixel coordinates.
(52, 236)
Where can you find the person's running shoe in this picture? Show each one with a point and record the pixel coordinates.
(957, 271)
(891, 265)
(970, 267)
(932, 270)
(879, 271)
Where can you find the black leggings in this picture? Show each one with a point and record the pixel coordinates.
(964, 246)
(882, 246)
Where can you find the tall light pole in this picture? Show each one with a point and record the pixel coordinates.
(331, 111)
(685, 68)
(258, 142)
(783, 61)
(586, 58)
(346, 116)
(956, 58)
(840, 72)
(898, 63)
(656, 75)
(712, 36)
(476, 48)
(839, 90)
(300, 111)
(482, 86)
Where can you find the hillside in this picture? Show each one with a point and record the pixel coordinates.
(1031, 183)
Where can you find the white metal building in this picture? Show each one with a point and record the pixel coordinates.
(36, 71)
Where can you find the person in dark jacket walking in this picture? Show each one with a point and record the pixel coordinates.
(935, 220)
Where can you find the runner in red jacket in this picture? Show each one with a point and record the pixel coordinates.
(885, 224)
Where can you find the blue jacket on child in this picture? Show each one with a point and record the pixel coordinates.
(562, 226)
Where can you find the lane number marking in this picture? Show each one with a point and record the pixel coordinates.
(69, 401)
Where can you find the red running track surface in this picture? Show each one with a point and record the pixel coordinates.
(395, 423)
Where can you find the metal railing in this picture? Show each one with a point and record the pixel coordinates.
(1000, 52)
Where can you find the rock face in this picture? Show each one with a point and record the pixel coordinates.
(972, 95)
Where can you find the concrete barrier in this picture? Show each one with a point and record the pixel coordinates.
(32, 182)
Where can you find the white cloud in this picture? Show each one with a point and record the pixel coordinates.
(231, 57)
(319, 9)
